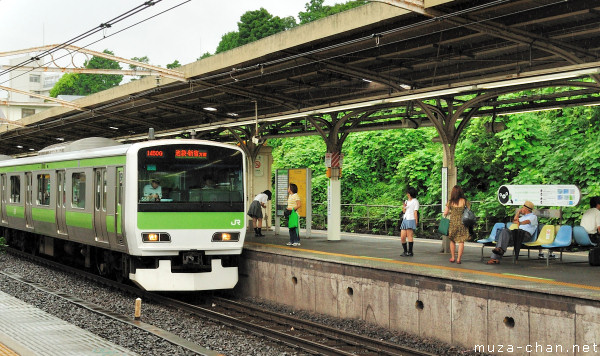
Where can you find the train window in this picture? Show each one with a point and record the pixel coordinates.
(3, 178)
(120, 190)
(190, 178)
(104, 197)
(98, 188)
(15, 189)
(78, 197)
(43, 191)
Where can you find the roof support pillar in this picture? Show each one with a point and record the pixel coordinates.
(334, 138)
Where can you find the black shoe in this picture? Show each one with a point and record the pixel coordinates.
(260, 235)
(410, 254)
(404, 254)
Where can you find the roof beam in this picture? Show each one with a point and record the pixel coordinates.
(169, 73)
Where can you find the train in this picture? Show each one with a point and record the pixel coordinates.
(84, 203)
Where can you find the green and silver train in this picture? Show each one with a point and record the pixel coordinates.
(84, 204)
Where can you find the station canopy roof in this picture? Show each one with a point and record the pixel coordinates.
(372, 64)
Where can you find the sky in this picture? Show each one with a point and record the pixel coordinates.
(184, 33)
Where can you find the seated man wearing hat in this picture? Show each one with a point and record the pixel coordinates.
(153, 191)
(527, 222)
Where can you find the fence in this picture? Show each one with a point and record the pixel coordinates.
(386, 219)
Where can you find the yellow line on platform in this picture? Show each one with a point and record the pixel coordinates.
(416, 264)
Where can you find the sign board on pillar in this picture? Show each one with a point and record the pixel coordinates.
(259, 166)
(540, 195)
(333, 160)
(283, 178)
(281, 191)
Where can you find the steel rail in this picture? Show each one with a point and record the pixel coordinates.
(374, 345)
(280, 328)
(160, 333)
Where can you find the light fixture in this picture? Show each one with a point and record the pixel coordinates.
(208, 108)
(113, 128)
(19, 146)
(232, 114)
(60, 139)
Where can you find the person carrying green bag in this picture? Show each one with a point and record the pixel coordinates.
(294, 204)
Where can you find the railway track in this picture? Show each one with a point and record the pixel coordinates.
(301, 335)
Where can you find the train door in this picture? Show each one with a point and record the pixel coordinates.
(100, 190)
(119, 207)
(3, 199)
(61, 202)
(28, 200)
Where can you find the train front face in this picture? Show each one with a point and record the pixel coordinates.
(187, 200)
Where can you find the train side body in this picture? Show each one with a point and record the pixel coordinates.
(93, 200)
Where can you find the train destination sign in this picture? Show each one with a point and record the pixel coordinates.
(540, 195)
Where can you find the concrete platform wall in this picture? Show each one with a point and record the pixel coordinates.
(501, 320)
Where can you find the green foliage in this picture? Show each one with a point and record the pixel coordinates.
(254, 25)
(316, 10)
(205, 55)
(228, 41)
(174, 65)
(86, 84)
(551, 147)
(143, 59)
(257, 24)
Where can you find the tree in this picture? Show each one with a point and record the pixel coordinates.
(86, 84)
(315, 10)
(254, 25)
(144, 60)
(173, 65)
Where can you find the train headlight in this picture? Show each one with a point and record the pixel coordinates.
(226, 236)
(156, 237)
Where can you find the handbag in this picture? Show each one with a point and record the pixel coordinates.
(468, 217)
(444, 226)
(293, 220)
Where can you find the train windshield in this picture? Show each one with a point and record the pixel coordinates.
(190, 178)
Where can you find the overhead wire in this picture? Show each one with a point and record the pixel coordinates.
(305, 54)
(84, 35)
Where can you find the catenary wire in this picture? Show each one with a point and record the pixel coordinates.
(288, 58)
(86, 34)
(69, 52)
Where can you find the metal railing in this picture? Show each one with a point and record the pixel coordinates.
(384, 219)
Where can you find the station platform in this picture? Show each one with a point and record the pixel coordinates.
(571, 277)
(26, 330)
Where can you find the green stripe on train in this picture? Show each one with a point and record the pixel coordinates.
(110, 223)
(15, 211)
(43, 215)
(91, 162)
(79, 219)
(192, 220)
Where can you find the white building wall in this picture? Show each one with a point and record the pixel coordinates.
(38, 82)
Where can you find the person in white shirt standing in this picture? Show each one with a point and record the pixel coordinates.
(591, 219)
(410, 221)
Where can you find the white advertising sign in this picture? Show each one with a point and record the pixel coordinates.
(540, 195)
